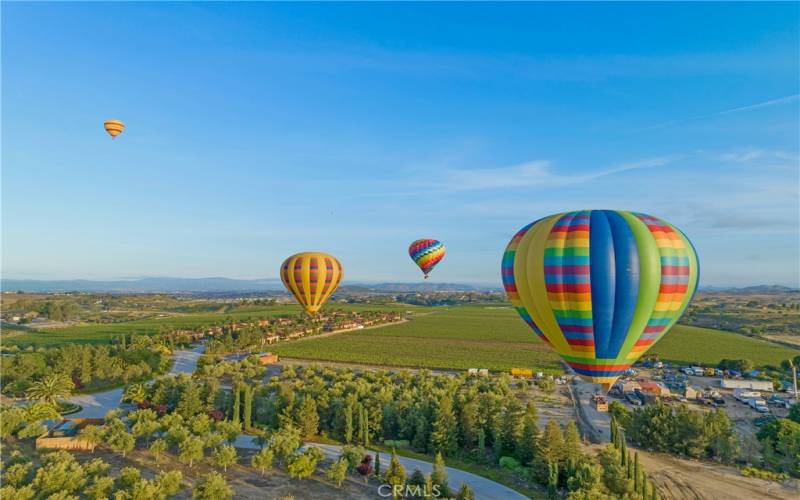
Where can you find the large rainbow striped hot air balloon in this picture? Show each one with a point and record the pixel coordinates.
(311, 277)
(600, 286)
(426, 254)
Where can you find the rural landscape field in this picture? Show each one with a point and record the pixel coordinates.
(400, 250)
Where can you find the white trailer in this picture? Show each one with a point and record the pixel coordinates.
(756, 385)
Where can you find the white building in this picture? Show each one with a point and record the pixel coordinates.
(758, 385)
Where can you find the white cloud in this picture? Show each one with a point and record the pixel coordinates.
(538, 173)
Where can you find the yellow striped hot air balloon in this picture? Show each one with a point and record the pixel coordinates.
(114, 127)
(311, 277)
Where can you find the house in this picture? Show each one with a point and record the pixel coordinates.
(653, 388)
(267, 358)
(65, 435)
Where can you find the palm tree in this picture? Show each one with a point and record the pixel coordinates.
(51, 388)
(135, 393)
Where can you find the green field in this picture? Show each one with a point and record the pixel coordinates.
(495, 338)
(102, 333)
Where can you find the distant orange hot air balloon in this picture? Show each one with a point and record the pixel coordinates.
(114, 127)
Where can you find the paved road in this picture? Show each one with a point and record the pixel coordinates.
(483, 488)
(98, 404)
(596, 425)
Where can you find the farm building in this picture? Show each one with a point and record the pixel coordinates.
(65, 435)
(758, 385)
(624, 386)
(692, 392)
(267, 358)
(653, 388)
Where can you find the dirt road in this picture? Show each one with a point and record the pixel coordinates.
(687, 479)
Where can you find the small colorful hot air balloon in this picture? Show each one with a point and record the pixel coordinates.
(311, 277)
(600, 287)
(114, 127)
(426, 254)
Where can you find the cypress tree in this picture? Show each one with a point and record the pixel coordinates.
(628, 466)
(637, 472)
(552, 480)
(236, 403)
(613, 432)
(366, 428)
(377, 464)
(248, 406)
(654, 493)
(623, 449)
(348, 423)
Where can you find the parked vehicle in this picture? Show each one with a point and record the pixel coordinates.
(756, 403)
(633, 399)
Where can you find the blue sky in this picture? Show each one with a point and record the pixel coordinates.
(258, 130)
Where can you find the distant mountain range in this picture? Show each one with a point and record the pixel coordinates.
(769, 289)
(214, 285)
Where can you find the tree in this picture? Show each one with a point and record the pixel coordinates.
(135, 393)
(552, 480)
(190, 449)
(465, 493)
(444, 436)
(417, 485)
(512, 426)
(212, 486)
(637, 473)
(119, 439)
(308, 417)
(168, 483)
(225, 456)
(337, 472)
(51, 388)
(263, 460)
(248, 406)
(551, 446)
(236, 403)
(396, 476)
(93, 434)
(191, 402)
(100, 488)
(59, 473)
(348, 422)
(284, 442)
(794, 413)
(365, 467)
(572, 441)
(302, 465)
(781, 440)
(528, 445)
(439, 476)
(377, 464)
(157, 449)
(585, 477)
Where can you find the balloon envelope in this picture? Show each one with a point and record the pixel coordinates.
(426, 254)
(311, 277)
(114, 127)
(600, 287)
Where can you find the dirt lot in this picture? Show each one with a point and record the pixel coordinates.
(688, 479)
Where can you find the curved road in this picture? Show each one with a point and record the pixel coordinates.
(483, 488)
(98, 404)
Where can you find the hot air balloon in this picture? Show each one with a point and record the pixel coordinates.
(426, 254)
(311, 277)
(114, 127)
(600, 287)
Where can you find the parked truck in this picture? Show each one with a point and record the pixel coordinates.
(744, 395)
(758, 405)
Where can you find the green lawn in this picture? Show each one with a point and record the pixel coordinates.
(102, 333)
(496, 338)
